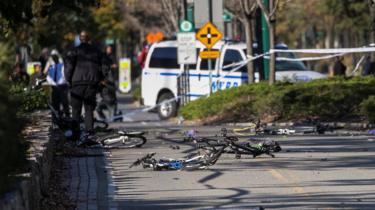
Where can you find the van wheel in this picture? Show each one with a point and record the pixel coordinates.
(167, 107)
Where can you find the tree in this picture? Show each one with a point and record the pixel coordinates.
(323, 24)
(40, 23)
(371, 5)
(245, 11)
(172, 13)
(13, 13)
(270, 16)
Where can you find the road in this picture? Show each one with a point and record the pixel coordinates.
(312, 172)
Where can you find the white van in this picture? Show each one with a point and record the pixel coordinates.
(161, 70)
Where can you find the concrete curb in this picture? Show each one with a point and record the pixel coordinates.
(34, 184)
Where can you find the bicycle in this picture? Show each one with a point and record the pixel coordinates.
(200, 160)
(115, 139)
(66, 124)
(267, 147)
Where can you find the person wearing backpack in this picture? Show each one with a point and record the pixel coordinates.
(59, 87)
(84, 73)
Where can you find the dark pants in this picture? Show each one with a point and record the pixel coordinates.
(83, 95)
(59, 98)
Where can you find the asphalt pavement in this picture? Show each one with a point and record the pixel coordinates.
(311, 172)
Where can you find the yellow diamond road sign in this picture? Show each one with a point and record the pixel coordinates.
(209, 35)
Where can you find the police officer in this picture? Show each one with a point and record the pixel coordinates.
(84, 73)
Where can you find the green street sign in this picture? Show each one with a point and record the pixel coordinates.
(186, 26)
(227, 16)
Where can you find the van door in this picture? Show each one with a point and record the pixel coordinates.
(160, 73)
(229, 78)
(199, 81)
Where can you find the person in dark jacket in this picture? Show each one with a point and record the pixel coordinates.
(108, 90)
(83, 72)
(369, 67)
(339, 68)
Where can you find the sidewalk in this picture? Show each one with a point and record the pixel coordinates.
(88, 180)
(83, 176)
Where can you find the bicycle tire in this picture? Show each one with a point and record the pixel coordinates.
(204, 162)
(122, 141)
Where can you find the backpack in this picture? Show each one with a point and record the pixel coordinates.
(56, 74)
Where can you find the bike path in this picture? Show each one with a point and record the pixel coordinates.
(312, 172)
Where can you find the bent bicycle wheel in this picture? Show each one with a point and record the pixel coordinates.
(123, 141)
(194, 166)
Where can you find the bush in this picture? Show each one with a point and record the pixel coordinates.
(325, 99)
(12, 145)
(30, 100)
(368, 108)
(137, 94)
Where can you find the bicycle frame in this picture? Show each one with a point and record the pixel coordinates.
(115, 140)
(200, 161)
(238, 148)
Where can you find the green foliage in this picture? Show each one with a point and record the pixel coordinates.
(12, 145)
(368, 108)
(30, 100)
(109, 18)
(314, 19)
(137, 93)
(6, 57)
(14, 14)
(326, 99)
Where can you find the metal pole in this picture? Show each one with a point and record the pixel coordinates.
(210, 69)
(210, 10)
(209, 60)
(266, 42)
(185, 10)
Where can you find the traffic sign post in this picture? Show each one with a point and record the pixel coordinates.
(186, 51)
(187, 54)
(209, 35)
(209, 54)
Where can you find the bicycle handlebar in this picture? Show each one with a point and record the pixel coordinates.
(141, 160)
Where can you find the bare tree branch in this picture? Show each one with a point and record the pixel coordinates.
(265, 11)
(274, 8)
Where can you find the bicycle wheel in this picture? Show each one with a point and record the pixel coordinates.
(195, 165)
(122, 141)
(133, 141)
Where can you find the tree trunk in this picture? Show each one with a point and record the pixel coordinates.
(371, 5)
(272, 56)
(329, 44)
(249, 45)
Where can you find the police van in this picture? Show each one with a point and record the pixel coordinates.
(161, 72)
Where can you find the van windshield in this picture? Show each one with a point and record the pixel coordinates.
(286, 65)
